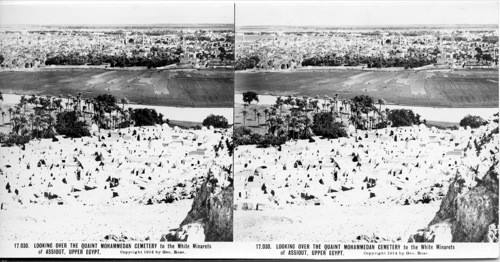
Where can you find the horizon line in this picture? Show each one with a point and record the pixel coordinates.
(117, 24)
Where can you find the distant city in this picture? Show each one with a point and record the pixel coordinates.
(127, 46)
(287, 48)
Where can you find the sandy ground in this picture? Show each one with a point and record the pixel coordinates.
(332, 223)
(90, 223)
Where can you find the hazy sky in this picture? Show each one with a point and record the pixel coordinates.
(367, 13)
(114, 12)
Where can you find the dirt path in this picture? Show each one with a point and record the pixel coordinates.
(332, 223)
(90, 223)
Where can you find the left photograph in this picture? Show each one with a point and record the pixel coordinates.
(116, 121)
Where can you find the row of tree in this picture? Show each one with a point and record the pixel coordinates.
(370, 61)
(158, 60)
(329, 118)
(43, 117)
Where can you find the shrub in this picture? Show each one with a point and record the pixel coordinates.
(15, 139)
(270, 140)
(69, 125)
(324, 124)
(242, 135)
(383, 124)
(403, 117)
(215, 121)
(146, 117)
(250, 96)
(472, 121)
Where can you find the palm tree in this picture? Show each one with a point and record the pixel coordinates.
(10, 113)
(287, 120)
(314, 104)
(31, 118)
(258, 118)
(58, 104)
(3, 115)
(293, 125)
(23, 102)
(274, 110)
(1, 99)
(324, 100)
(292, 103)
(266, 112)
(244, 112)
(79, 100)
(49, 100)
(255, 114)
(124, 101)
(279, 103)
(381, 102)
(336, 99)
(307, 123)
(115, 121)
(84, 112)
(37, 122)
(304, 103)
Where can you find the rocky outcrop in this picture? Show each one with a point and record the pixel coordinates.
(211, 215)
(469, 211)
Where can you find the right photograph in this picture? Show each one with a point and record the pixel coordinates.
(366, 122)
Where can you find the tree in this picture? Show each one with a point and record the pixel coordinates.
(380, 102)
(258, 118)
(68, 124)
(472, 121)
(124, 101)
(403, 117)
(107, 102)
(216, 121)
(324, 124)
(365, 102)
(266, 112)
(250, 96)
(244, 113)
(145, 117)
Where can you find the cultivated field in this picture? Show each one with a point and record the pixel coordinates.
(436, 88)
(183, 88)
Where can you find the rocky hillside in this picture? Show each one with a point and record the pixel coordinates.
(469, 211)
(211, 215)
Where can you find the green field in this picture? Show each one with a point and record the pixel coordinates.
(433, 88)
(183, 88)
